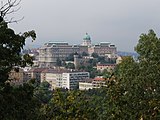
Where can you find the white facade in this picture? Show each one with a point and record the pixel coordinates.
(85, 86)
(93, 84)
(71, 80)
(63, 78)
(53, 77)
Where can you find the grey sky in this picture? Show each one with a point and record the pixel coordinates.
(117, 21)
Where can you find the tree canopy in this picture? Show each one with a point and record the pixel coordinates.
(133, 94)
(11, 45)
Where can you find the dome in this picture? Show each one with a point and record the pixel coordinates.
(86, 37)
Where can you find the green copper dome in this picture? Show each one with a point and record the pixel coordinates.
(86, 37)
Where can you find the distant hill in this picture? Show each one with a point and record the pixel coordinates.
(31, 46)
(133, 54)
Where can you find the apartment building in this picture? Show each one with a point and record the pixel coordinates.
(95, 83)
(18, 77)
(71, 80)
(53, 77)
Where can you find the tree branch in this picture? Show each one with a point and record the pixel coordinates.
(8, 8)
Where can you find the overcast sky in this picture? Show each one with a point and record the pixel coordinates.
(117, 21)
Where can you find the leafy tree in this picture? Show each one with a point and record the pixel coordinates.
(17, 103)
(58, 62)
(95, 55)
(93, 62)
(149, 67)
(70, 66)
(70, 105)
(84, 54)
(10, 50)
(43, 92)
(101, 59)
(136, 92)
(71, 57)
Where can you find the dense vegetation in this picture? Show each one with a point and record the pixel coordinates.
(133, 94)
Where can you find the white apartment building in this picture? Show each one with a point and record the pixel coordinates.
(95, 83)
(71, 80)
(53, 77)
(85, 86)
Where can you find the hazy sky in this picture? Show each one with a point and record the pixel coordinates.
(117, 21)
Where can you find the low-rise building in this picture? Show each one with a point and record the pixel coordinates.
(35, 73)
(108, 67)
(18, 77)
(95, 83)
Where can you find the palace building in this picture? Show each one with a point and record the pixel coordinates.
(51, 51)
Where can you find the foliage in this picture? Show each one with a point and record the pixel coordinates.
(70, 57)
(10, 50)
(58, 62)
(70, 66)
(84, 54)
(95, 55)
(43, 93)
(17, 103)
(71, 105)
(136, 93)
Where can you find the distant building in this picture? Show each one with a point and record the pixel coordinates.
(71, 80)
(108, 67)
(51, 51)
(63, 78)
(95, 83)
(102, 49)
(53, 77)
(86, 40)
(35, 73)
(18, 77)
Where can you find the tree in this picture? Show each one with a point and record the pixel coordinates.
(84, 54)
(149, 67)
(136, 92)
(11, 45)
(17, 102)
(43, 92)
(95, 55)
(9, 7)
(58, 62)
(70, 66)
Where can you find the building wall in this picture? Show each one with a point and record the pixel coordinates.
(48, 55)
(108, 67)
(85, 86)
(71, 80)
(50, 52)
(93, 84)
(18, 78)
